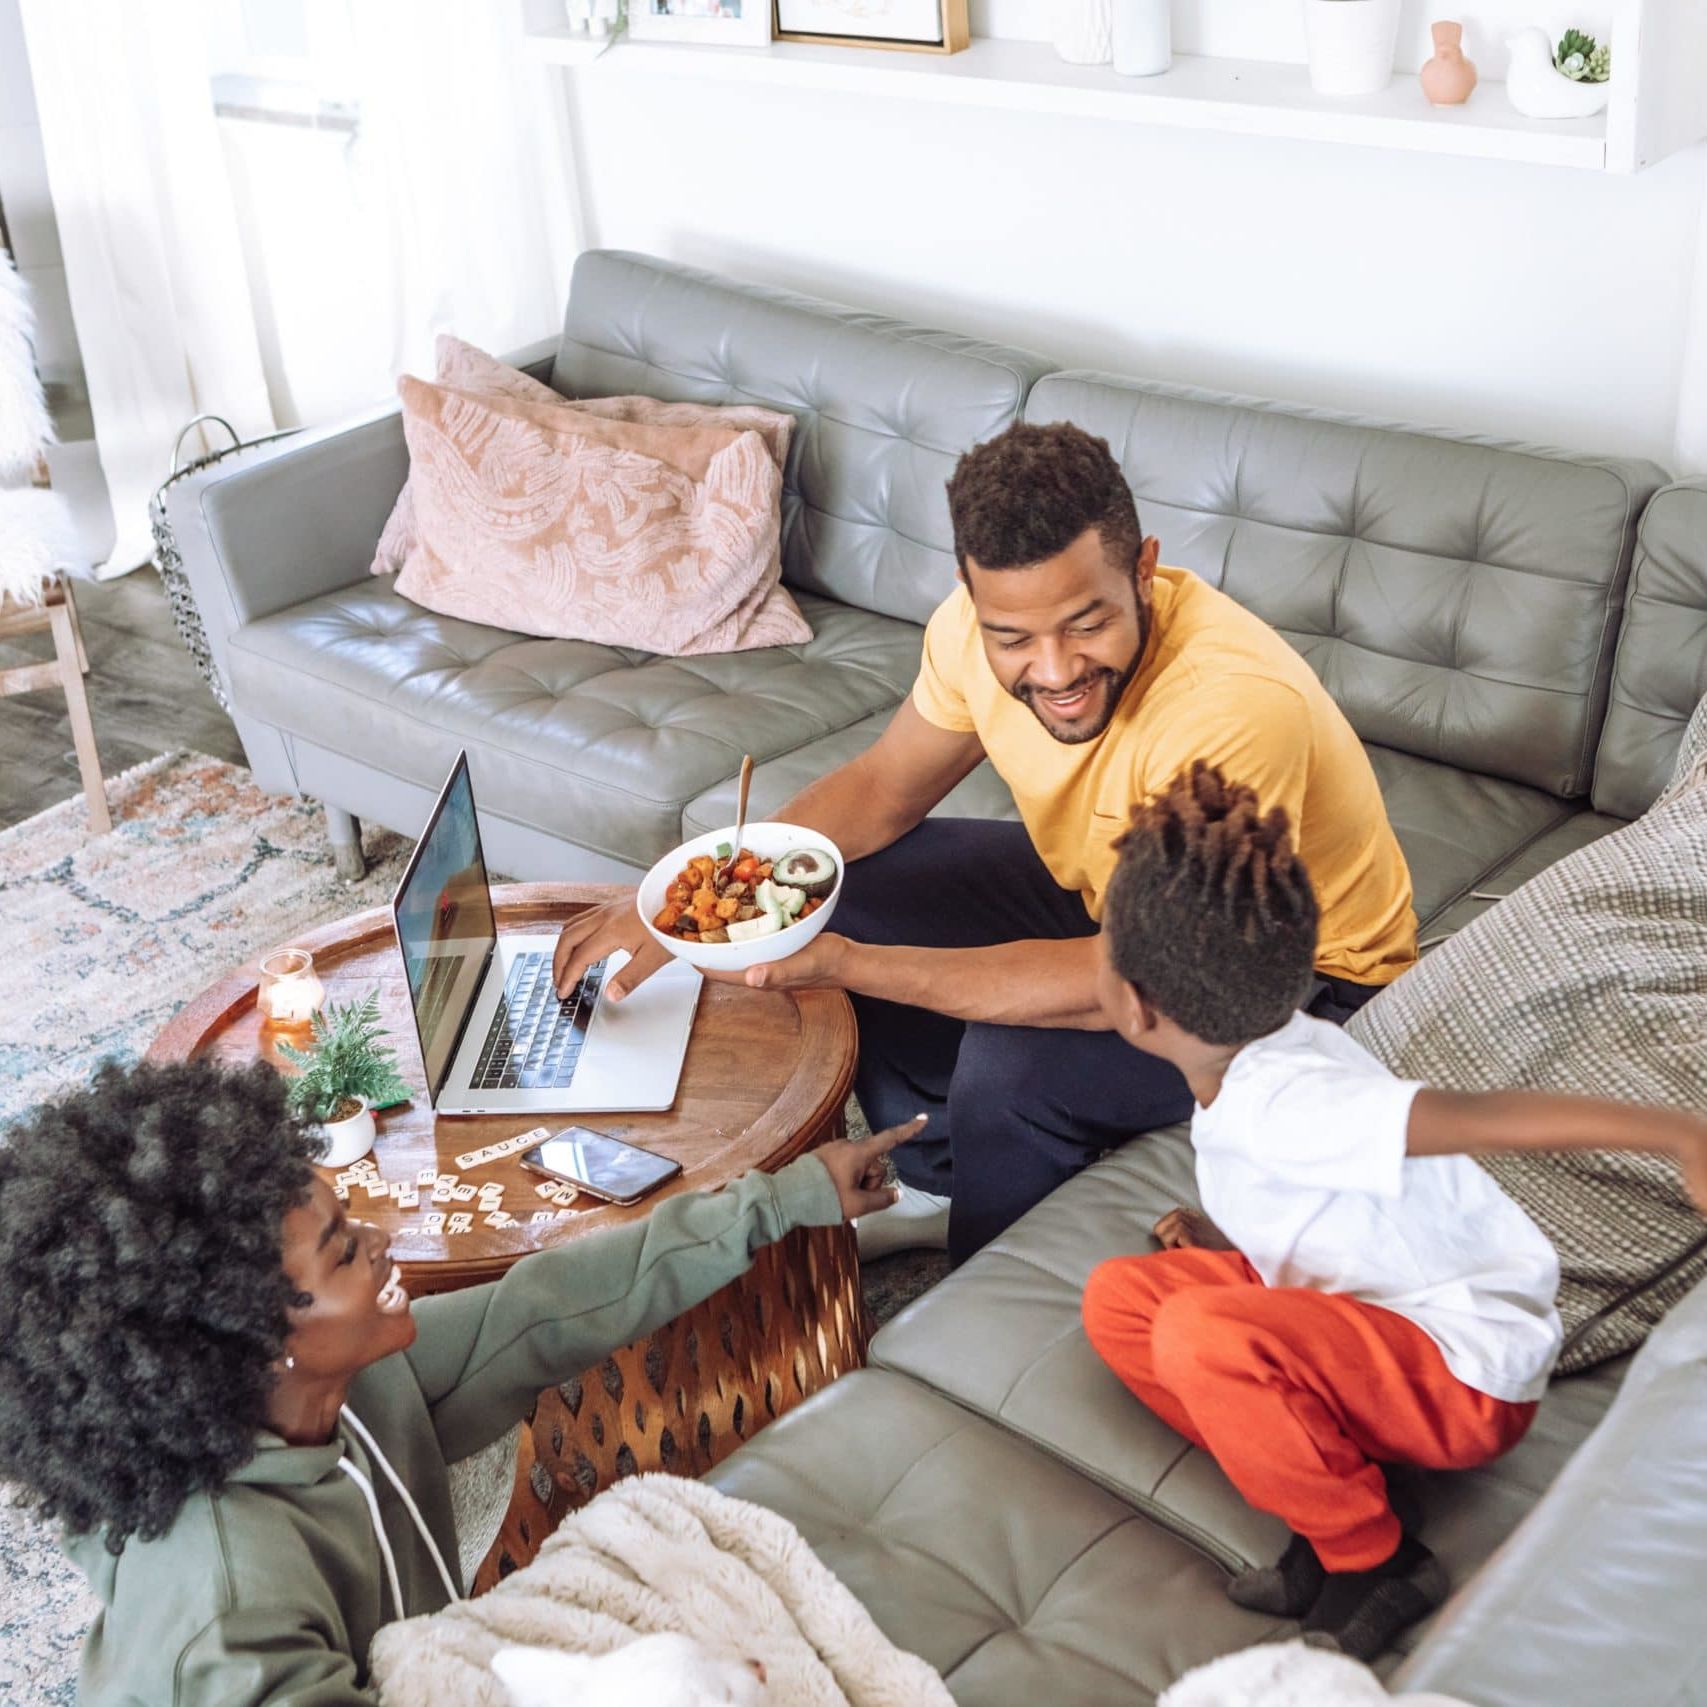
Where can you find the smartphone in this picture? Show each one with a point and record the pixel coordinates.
(599, 1164)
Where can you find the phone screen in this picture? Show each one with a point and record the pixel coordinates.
(605, 1166)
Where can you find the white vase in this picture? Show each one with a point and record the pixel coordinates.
(1084, 31)
(348, 1140)
(1143, 37)
(1351, 45)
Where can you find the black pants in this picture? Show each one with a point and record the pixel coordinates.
(1015, 1110)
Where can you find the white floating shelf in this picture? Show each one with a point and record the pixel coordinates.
(1238, 96)
(568, 47)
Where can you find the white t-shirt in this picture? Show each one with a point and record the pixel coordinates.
(1301, 1162)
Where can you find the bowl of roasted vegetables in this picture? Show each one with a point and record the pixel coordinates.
(726, 908)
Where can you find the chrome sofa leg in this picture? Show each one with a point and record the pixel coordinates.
(345, 834)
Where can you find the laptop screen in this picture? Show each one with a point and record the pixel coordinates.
(445, 927)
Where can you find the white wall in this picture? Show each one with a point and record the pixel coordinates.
(1533, 302)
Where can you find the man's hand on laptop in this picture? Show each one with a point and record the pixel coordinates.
(857, 1166)
(596, 932)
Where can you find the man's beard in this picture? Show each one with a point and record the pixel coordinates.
(1115, 683)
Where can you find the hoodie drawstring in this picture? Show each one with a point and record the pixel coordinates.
(366, 1486)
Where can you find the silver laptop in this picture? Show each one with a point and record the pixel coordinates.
(495, 1039)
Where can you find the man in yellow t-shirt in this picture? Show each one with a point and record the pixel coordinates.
(1090, 677)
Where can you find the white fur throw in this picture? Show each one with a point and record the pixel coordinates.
(37, 537)
(1288, 1674)
(25, 425)
(659, 1553)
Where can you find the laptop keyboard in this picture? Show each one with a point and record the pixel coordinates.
(535, 1040)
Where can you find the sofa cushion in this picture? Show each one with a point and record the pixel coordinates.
(1661, 670)
(1021, 1582)
(1459, 600)
(884, 410)
(1002, 1336)
(600, 745)
(1455, 826)
(981, 795)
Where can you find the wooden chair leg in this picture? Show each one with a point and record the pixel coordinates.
(77, 704)
(76, 627)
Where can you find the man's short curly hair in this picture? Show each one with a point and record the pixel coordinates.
(1028, 493)
(1210, 914)
(142, 1290)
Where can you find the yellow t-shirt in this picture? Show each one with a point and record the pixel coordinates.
(1217, 684)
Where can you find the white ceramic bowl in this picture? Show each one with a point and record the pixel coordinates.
(769, 841)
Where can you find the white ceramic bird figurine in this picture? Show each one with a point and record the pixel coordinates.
(1539, 91)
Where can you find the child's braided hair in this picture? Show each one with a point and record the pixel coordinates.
(1210, 914)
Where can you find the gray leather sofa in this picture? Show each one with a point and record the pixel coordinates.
(1517, 634)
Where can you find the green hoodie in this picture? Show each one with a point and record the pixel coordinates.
(271, 1588)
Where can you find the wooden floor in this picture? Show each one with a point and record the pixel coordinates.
(144, 693)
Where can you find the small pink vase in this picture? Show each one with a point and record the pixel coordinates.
(1449, 77)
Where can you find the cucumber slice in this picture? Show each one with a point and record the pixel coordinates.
(745, 930)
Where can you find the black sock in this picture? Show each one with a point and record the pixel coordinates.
(1285, 1589)
(1360, 1612)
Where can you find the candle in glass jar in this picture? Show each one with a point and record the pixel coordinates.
(289, 992)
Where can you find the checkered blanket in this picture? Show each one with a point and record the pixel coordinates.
(1591, 978)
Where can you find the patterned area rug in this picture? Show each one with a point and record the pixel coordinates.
(202, 872)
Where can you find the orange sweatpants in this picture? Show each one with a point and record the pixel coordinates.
(1299, 1395)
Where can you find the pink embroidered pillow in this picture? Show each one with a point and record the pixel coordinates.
(548, 520)
(470, 369)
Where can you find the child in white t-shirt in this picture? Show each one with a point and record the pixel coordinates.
(1358, 1292)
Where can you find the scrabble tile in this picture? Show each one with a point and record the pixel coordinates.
(342, 1193)
(367, 1165)
(462, 1193)
(433, 1221)
(460, 1223)
(427, 1176)
(542, 1215)
(409, 1198)
(564, 1196)
(348, 1177)
(496, 1219)
(547, 1189)
(441, 1194)
(378, 1188)
(468, 1160)
(397, 1188)
(487, 1191)
(449, 1179)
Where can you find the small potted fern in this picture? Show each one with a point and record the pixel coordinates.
(346, 1073)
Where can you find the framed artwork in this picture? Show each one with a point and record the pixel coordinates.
(924, 26)
(706, 23)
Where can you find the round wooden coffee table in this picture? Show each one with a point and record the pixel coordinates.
(766, 1079)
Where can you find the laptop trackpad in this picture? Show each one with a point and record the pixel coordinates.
(634, 1049)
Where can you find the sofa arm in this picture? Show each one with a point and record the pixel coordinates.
(1603, 1583)
(303, 522)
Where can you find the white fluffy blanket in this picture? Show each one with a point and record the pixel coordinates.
(1288, 1674)
(659, 1553)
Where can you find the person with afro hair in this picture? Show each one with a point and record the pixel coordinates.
(212, 1378)
(1355, 1292)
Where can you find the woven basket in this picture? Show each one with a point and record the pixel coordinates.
(686, 1397)
(180, 600)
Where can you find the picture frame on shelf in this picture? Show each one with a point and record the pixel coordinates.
(915, 26)
(701, 23)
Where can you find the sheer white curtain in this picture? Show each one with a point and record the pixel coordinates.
(153, 265)
(180, 285)
(463, 152)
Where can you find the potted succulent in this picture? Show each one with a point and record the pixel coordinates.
(346, 1073)
(1350, 45)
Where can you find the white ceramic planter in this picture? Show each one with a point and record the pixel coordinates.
(1351, 45)
(1083, 31)
(1143, 37)
(348, 1140)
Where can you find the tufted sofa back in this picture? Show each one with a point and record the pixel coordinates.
(1460, 600)
(884, 410)
(1661, 669)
